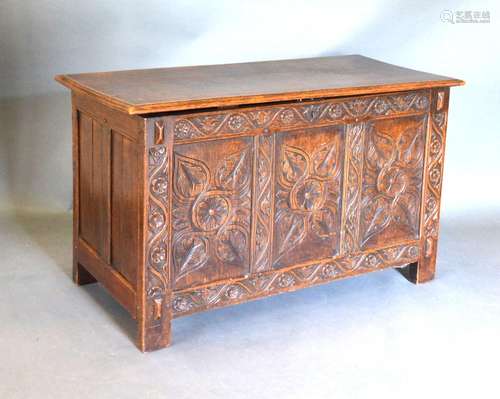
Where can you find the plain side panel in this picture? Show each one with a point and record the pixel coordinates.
(125, 207)
(94, 185)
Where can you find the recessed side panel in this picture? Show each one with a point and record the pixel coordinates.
(307, 194)
(94, 185)
(392, 181)
(125, 206)
(211, 210)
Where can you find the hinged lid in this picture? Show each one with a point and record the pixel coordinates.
(172, 89)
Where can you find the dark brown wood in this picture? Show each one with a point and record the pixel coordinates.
(156, 276)
(181, 212)
(127, 125)
(113, 281)
(126, 165)
(307, 195)
(169, 89)
(80, 275)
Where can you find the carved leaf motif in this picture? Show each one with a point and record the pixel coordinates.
(311, 112)
(261, 234)
(232, 245)
(263, 169)
(191, 176)
(190, 254)
(410, 146)
(291, 230)
(377, 216)
(233, 172)
(358, 107)
(326, 161)
(294, 165)
(402, 102)
(324, 222)
(380, 149)
(406, 211)
(208, 123)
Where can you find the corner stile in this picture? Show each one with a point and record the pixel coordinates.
(155, 312)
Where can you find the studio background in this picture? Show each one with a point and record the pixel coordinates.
(370, 336)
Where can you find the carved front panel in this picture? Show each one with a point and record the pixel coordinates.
(308, 180)
(212, 211)
(392, 180)
(278, 186)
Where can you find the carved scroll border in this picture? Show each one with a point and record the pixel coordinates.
(275, 282)
(158, 237)
(263, 207)
(353, 180)
(434, 171)
(296, 115)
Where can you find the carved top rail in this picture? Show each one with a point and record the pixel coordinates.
(263, 119)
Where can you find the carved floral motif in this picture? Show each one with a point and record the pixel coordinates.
(434, 170)
(157, 248)
(211, 211)
(307, 196)
(392, 181)
(211, 215)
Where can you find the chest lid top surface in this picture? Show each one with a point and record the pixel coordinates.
(181, 88)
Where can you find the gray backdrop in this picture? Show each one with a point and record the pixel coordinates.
(41, 38)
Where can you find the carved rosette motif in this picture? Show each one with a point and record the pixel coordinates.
(275, 282)
(392, 181)
(263, 203)
(298, 115)
(211, 217)
(307, 198)
(157, 249)
(434, 172)
(353, 185)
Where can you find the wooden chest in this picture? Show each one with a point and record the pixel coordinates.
(201, 187)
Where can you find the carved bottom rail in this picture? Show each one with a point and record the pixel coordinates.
(275, 282)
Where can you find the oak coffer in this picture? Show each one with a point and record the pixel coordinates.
(201, 187)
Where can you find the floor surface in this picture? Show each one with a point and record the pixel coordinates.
(368, 337)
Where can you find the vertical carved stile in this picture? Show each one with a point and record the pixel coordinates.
(352, 188)
(263, 207)
(157, 251)
(434, 171)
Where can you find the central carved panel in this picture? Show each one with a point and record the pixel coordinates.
(392, 180)
(211, 217)
(308, 187)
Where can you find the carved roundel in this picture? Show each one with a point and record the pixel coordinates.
(210, 211)
(308, 195)
(395, 180)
